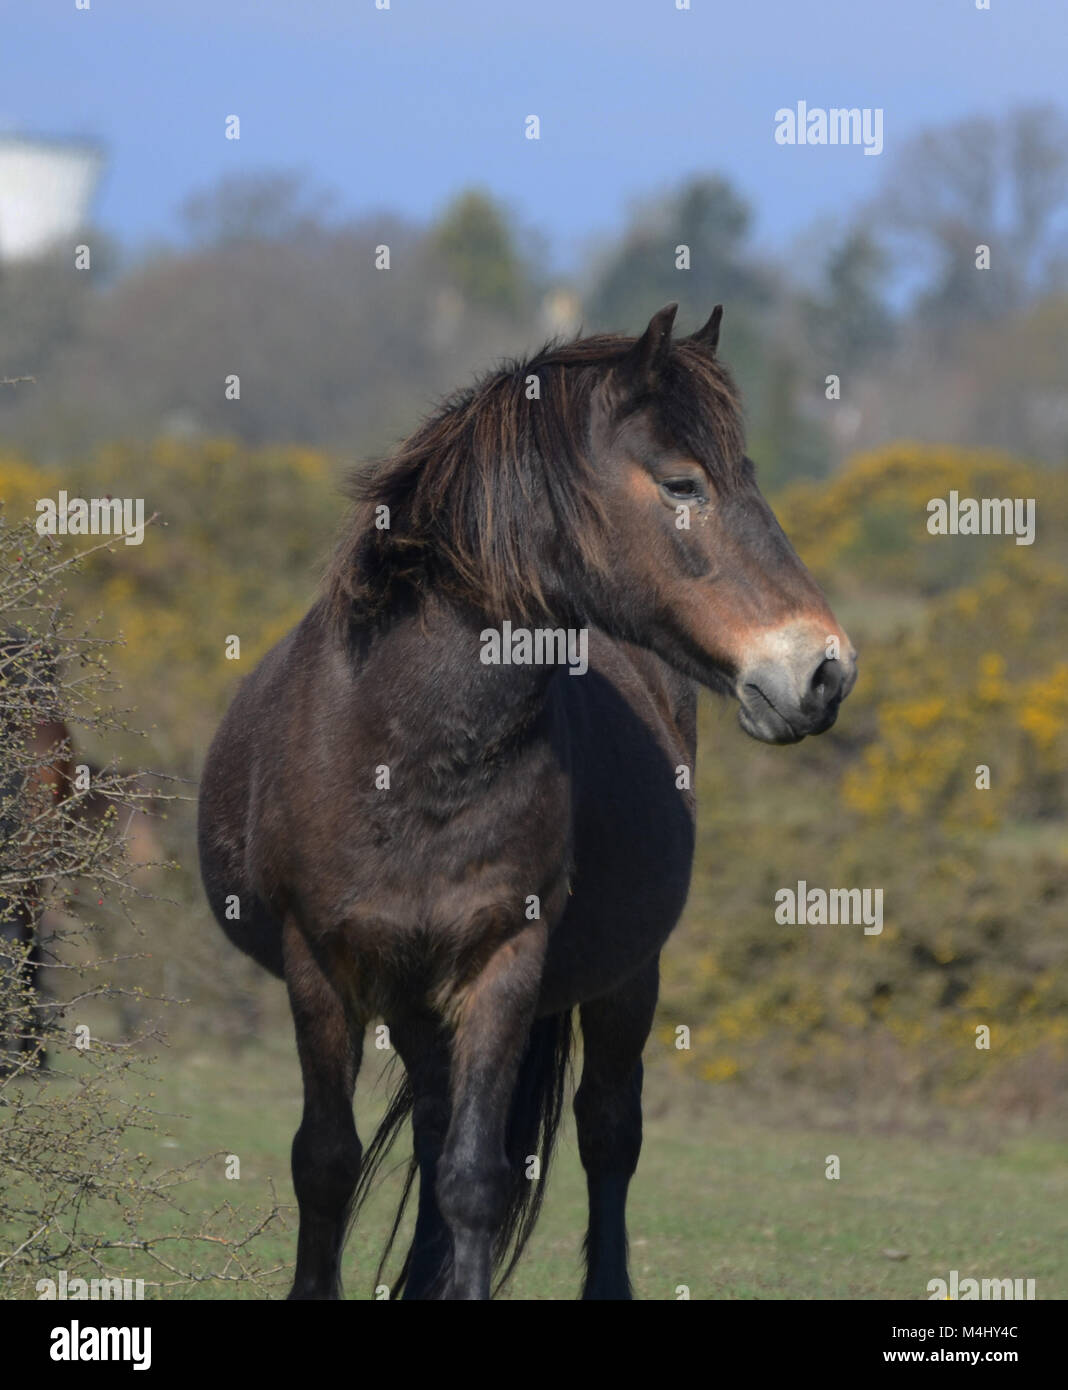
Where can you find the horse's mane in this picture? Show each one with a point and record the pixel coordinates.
(464, 492)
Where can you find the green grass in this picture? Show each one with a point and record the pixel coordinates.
(730, 1201)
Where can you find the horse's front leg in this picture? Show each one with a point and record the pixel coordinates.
(608, 1112)
(425, 1049)
(474, 1179)
(326, 1149)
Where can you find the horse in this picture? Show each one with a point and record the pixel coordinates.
(406, 817)
(39, 775)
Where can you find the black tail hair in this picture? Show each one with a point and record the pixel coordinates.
(533, 1122)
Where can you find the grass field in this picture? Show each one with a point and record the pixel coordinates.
(730, 1200)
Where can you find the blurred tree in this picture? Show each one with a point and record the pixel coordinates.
(758, 340)
(1002, 183)
(477, 247)
(329, 346)
(45, 304)
(848, 319)
(259, 207)
(640, 275)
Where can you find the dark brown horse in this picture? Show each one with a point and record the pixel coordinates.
(41, 803)
(422, 806)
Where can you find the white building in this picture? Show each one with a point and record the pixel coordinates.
(46, 189)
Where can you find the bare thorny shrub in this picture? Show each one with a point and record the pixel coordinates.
(78, 1193)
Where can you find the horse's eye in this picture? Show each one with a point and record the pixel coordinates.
(685, 489)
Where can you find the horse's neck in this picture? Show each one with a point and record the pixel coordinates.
(449, 699)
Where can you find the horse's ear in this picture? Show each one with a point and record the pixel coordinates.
(708, 337)
(640, 368)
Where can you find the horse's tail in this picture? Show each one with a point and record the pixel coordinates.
(533, 1122)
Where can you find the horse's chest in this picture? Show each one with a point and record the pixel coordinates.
(441, 866)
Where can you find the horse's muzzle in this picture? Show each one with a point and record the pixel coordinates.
(780, 705)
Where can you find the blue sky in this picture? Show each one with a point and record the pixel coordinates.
(398, 109)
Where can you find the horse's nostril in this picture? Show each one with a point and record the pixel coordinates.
(826, 683)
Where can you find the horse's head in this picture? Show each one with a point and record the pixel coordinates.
(604, 481)
(697, 567)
